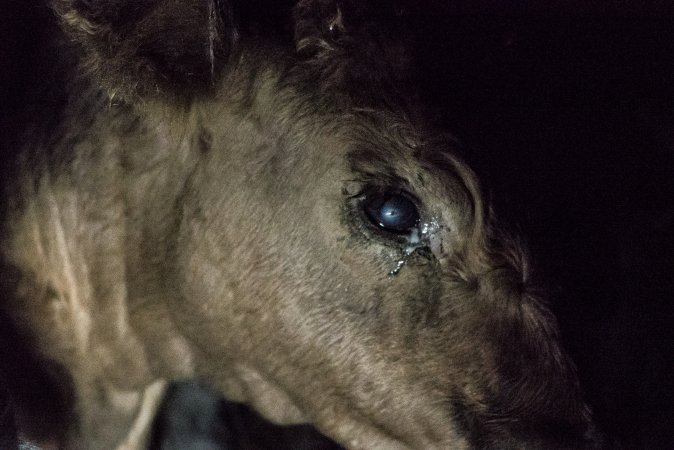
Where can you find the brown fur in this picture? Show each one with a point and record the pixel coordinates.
(210, 226)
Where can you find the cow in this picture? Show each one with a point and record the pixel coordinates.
(278, 220)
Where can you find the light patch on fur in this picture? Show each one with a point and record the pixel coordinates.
(139, 434)
(212, 35)
(74, 300)
(268, 399)
(337, 23)
(77, 22)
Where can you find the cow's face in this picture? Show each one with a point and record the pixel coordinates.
(340, 269)
(330, 261)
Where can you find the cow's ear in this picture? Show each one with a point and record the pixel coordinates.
(152, 48)
(349, 42)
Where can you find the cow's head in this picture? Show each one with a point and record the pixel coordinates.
(332, 260)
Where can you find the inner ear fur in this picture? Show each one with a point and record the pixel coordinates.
(153, 48)
(353, 45)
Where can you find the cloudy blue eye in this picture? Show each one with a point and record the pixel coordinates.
(391, 212)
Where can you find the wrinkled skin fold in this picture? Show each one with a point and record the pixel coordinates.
(195, 208)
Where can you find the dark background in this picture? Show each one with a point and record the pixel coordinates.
(569, 121)
(566, 111)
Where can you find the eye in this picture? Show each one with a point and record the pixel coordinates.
(391, 211)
